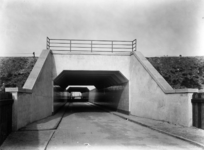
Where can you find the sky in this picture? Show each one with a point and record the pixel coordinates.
(161, 27)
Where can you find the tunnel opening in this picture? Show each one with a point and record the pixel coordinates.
(111, 88)
(78, 93)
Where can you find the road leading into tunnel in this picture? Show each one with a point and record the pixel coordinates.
(85, 126)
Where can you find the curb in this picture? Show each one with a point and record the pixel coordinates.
(150, 127)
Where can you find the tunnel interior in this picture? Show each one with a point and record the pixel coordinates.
(100, 79)
(111, 88)
(78, 94)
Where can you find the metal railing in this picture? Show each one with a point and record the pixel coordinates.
(91, 45)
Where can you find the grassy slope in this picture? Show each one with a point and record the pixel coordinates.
(180, 72)
(15, 70)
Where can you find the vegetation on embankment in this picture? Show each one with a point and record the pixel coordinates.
(179, 72)
(15, 70)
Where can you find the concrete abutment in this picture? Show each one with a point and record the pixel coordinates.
(125, 82)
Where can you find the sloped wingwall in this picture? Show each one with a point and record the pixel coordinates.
(42, 94)
(152, 97)
(35, 100)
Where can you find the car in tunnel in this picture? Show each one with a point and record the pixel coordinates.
(76, 95)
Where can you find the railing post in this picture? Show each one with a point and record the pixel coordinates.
(112, 46)
(91, 46)
(70, 45)
(135, 44)
(48, 43)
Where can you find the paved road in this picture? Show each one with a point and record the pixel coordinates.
(85, 126)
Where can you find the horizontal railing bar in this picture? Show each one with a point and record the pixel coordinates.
(73, 43)
(121, 51)
(94, 47)
(59, 50)
(122, 48)
(123, 44)
(59, 43)
(85, 51)
(92, 44)
(69, 50)
(90, 40)
(72, 46)
(58, 46)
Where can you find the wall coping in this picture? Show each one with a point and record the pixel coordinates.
(35, 73)
(162, 83)
(17, 90)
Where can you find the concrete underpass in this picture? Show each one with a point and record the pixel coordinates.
(111, 87)
(124, 82)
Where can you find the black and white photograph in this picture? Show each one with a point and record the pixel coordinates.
(101, 75)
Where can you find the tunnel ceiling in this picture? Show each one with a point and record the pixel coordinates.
(78, 89)
(99, 79)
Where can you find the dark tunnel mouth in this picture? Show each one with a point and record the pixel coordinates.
(78, 89)
(100, 79)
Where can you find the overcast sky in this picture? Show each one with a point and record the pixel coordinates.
(162, 27)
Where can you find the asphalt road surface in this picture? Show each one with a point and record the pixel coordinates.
(85, 126)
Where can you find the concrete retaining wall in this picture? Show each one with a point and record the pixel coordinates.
(35, 100)
(152, 97)
(115, 98)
